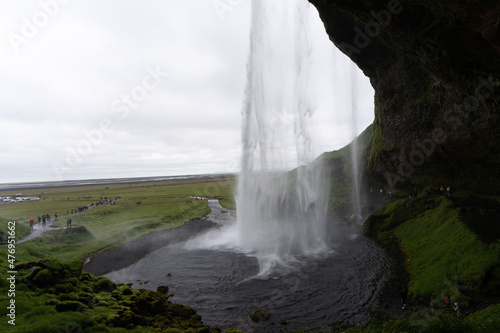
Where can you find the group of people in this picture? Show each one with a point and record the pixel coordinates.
(43, 220)
(447, 302)
(82, 209)
(47, 218)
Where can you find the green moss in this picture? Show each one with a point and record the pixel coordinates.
(43, 278)
(442, 253)
(487, 320)
(104, 284)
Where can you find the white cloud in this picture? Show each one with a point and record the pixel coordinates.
(63, 82)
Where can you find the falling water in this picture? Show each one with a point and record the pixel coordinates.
(281, 216)
(354, 148)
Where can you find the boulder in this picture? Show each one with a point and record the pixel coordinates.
(260, 315)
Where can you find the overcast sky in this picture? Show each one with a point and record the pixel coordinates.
(129, 88)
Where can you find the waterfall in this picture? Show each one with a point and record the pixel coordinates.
(281, 215)
(354, 147)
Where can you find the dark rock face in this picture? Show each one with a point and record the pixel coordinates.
(435, 68)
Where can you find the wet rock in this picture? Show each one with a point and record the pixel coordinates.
(34, 269)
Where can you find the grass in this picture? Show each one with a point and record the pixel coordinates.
(444, 256)
(487, 320)
(163, 205)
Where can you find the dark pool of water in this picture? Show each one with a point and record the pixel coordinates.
(224, 287)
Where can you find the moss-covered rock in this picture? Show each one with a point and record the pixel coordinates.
(182, 310)
(116, 294)
(76, 234)
(68, 289)
(64, 288)
(162, 289)
(75, 267)
(44, 278)
(260, 315)
(233, 330)
(104, 284)
(100, 328)
(70, 306)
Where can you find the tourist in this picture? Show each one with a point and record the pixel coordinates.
(31, 223)
(68, 222)
(456, 308)
(402, 296)
(447, 302)
(39, 219)
(448, 191)
(55, 215)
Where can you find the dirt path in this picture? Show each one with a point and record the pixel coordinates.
(37, 231)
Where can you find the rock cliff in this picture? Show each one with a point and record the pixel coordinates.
(435, 68)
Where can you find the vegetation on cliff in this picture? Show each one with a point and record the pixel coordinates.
(440, 245)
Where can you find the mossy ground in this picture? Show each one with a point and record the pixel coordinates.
(442, 255)
(58, 297)
(431, 320)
